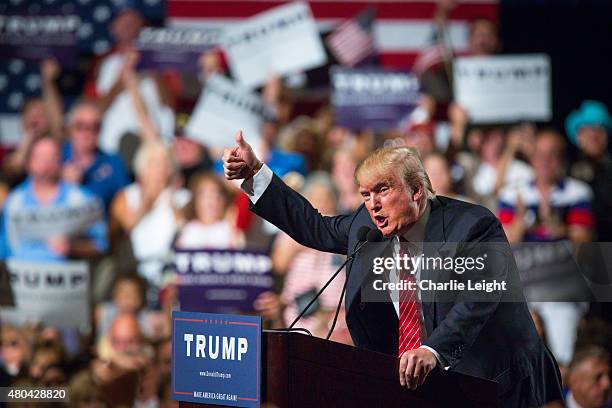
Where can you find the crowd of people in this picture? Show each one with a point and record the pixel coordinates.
(122, 146)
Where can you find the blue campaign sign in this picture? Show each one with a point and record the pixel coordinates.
(216, 359)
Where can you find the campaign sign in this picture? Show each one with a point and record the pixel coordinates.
(216, 359)
(284, 40)
(174, 48)
(373, 98)
(222, 108)
(43, 222)
(549, 272)
(39, 36)
(56, 293)
(221, 281)
(505, 88)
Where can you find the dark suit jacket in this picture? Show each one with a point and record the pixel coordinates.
(490, 337)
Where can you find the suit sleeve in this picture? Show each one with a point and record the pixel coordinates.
(472, 310)
(293, 214)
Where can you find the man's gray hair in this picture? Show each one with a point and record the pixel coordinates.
(80, 104)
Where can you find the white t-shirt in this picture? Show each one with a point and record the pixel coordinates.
(484, 179)
(154, 233)
(196, 235)
(121, 117)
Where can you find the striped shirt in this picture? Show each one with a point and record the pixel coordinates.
(570, 202)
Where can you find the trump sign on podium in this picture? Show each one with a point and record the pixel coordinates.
(216, 359)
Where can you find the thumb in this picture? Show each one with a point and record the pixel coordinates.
(240, 140)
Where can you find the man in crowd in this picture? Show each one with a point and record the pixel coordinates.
(102, 173)
(588, 128)
(558, 207)
(44, 191)
(548, 209)
(589, 378)
(39, 117)
(120, 124)
(434, 65)
(491, 337)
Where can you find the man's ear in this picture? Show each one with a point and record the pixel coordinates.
(417, 192)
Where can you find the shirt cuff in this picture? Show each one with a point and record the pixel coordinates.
(437, 356)
(257, 185)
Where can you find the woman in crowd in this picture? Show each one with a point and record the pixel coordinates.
(439, 172)
(148, 211)
(490, 161)
(210, 219)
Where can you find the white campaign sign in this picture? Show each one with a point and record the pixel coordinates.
(222, 109)
(53, 293)
(504, 88)
(281, 41)
(43, 222)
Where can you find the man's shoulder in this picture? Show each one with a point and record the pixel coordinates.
(458, 208)
(467, 221)
(76, 194)
(18, 194)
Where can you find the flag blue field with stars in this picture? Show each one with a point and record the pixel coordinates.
(20, 79)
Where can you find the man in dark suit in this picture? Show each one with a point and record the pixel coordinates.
(485, 334)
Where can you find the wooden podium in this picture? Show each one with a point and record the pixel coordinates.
(303, 371)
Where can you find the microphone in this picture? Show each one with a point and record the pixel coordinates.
(373, 235)
(364, 235)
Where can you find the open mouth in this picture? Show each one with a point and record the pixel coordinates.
(380, 221)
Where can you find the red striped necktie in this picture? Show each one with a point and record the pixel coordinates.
(409, 326)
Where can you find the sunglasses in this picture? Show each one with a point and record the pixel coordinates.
(82, 126)
(10, 343)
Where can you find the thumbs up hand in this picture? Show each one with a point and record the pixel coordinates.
(240, 162)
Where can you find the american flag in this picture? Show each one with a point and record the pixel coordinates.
(20, 79)
(353, 41)
(402, 29)
(432, 56)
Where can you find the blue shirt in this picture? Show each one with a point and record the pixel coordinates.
(106, 175)
(22, 197)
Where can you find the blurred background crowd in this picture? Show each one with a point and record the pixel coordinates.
(110, 134)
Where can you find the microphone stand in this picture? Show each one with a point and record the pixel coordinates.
(361, 244)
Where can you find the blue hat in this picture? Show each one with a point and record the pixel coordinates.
(591, 113)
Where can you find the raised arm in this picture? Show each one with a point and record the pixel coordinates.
(52, 99)
(148, 131)
(274, 201)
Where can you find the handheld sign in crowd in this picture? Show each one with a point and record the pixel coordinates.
(222, 281)
(549, 272)
(54, 293)
(39, 36)
(221, 108)
(174, 48)
(42, 222)
(216, 359)
(504, 88)
(373, 98)
(281, 41)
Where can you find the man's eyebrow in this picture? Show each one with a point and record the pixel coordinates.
(376, 187)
